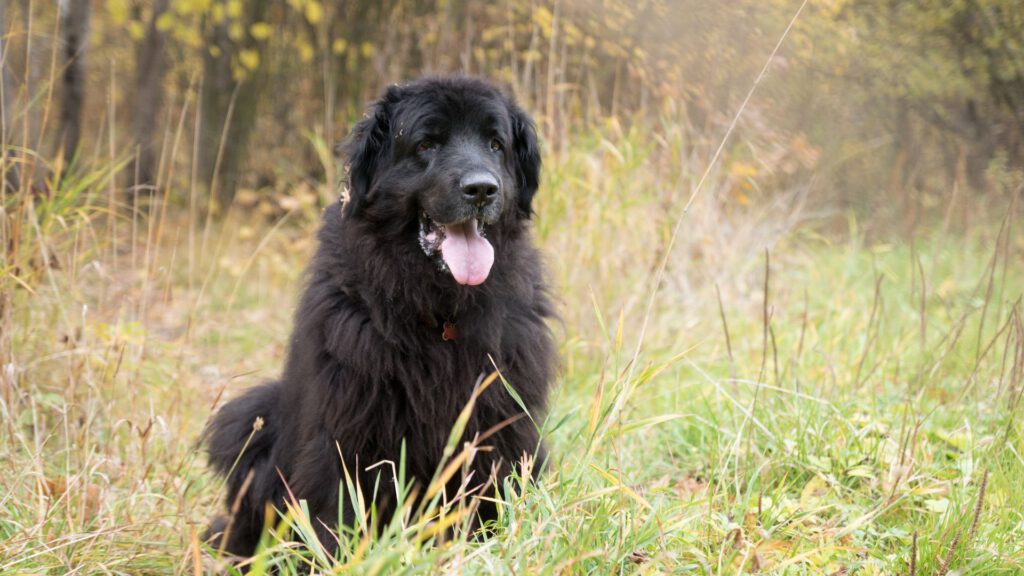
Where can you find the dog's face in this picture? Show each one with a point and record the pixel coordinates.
(445, 160)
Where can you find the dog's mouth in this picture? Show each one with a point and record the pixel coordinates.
(463, 249)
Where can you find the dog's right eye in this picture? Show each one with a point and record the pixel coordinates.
(426, 146)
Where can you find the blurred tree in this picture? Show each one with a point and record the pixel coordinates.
(74, 33)
(232, 87)
(959, 68)
(150, 69)
(903, 97)
(10, 169)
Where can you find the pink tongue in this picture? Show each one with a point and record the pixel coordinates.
(467, 254)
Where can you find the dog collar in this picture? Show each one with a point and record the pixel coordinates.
(449, 328)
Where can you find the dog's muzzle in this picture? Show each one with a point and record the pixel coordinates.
(479, 188)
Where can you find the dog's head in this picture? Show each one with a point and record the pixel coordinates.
(444, 160)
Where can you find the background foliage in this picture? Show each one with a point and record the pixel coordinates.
(908, 100)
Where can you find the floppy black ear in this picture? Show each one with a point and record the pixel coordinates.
(526, 155)
(365, 148)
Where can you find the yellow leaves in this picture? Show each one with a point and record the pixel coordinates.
(165, 21)
(121, 333)
(339, 46)
(234, 8)
(136, 30)
(314, 12)
(261, 30)
(530, 55)
(777, 157)
(249, 59)
(742, 170)
(544, 19)
(743, 177)
(188, 35)
(493, 33)
(187, 7)
(118, 10)
(813, 490)
(573, 34)
(366, 49)
(236, 31)
(306, 51)
(70, 489)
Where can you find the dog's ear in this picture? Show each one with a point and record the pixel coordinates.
(526, 156)
(365, 148)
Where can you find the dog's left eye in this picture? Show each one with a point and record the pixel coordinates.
(496, 145)
(426, 146)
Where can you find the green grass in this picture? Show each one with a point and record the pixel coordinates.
(882, 391)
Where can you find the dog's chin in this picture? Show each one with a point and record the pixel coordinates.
(459, 248)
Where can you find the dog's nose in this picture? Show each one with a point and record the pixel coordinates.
(480, 188)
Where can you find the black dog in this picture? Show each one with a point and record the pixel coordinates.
(424, 276)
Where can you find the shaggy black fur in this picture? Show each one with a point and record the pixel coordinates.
(367, 367)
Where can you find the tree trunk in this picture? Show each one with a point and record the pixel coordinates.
(9, 169)
(150, 69)
(228, 107)
(74, 32)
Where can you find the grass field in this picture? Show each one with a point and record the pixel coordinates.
(801, 402)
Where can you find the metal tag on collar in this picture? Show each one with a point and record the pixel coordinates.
(450, 332)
